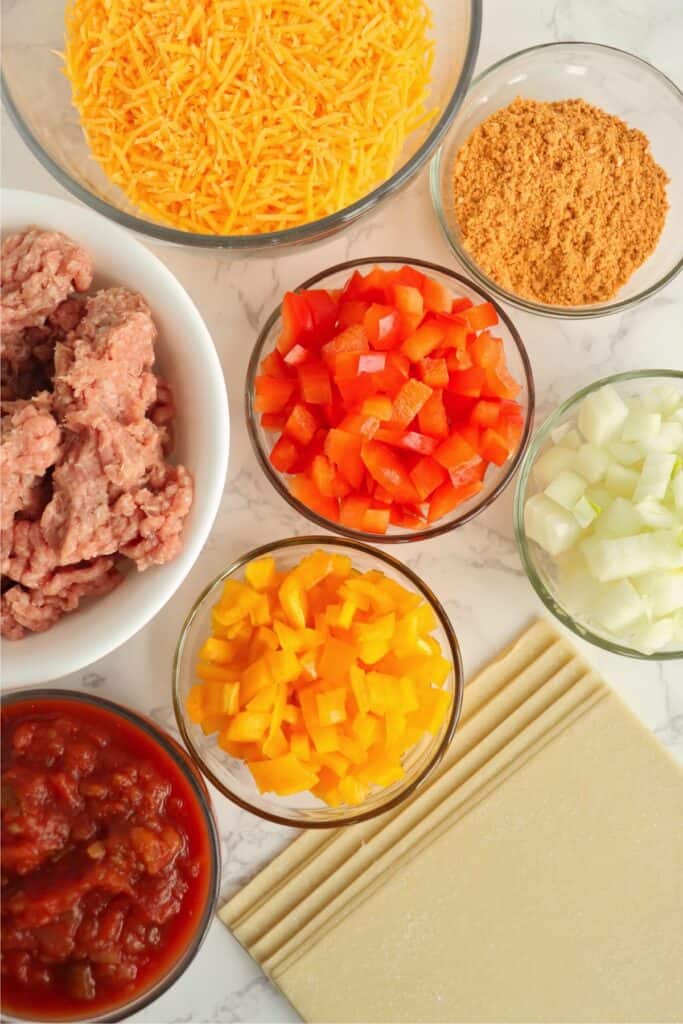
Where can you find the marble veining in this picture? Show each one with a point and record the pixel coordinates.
(475, 571)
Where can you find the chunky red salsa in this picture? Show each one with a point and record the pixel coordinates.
(106, 860)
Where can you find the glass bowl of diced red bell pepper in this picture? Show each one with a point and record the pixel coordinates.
(387, 398)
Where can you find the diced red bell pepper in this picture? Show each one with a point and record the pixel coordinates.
(323, 307)
(273, 365)
(376, 520)
(468, 382)
(494, 447)
(284, 455)
(379, 405)
(455, 452)
(423, 341)
(273, 420)
(511, 425)
(427, 475)
(408, 299)
(400, 515)
(297, 321)
(434, 372)
(432, 417)
(352, 509)
(297, 354)
(468, 473)
(458, 359)
(383, 326)
(372, 362)
(410, 276)
(374, 287)
(352, 312)
(309, 453)
(273, 393)
(408, 439)
(379, 494)
(485, 413)
(486, 351)
(500, 383)
(458, 407)
(437, 297)
(459, 305)
(351, 291)
(355, 390)
(360, 423)
(447, 497)
(471, 433)
(308, 494)
(343, 365)
(301, 424)
(343, 449)
(409, 400)
(351, 339)
(480, 317)
(455, 333)
(315, 384)
(387, 468)
(327, 479)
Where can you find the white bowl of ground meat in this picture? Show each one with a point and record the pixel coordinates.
(115, 436)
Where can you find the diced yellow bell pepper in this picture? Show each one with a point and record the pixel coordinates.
(254, 678)
(336, 762)
(221, 698)
(331, 706)
(248, 726)
(194, 703)
(408, 695)
(327, 787)
(293, 600)
(336, 660)
(395, 725)
(325, 737)
(213, 723)
(283, 775)
(259, 613)
(300, 745)
(284, 666)
(341, 566)
(309, 665)
(434, 706)
(215, 649)
(441, 669)
(296, 639)
(275, 744)
(366, 728)
(359, 688)
(242, 751)
(238, 630)
(260, 573)
(381, 692)
(382, 767)
(312, 569)
(353, 749)
(292, 715)
(215, 672)
(352, 791)
(347, 612)
(263, 699)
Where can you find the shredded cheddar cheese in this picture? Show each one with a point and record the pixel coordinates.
(247, 116)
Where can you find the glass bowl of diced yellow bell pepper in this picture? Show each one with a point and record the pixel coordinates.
(317, 682)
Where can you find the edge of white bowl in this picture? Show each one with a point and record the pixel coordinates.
(34, 207)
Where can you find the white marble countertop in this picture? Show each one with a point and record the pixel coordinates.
(475, 571)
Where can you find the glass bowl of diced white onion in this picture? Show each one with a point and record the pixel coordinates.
(598, 513)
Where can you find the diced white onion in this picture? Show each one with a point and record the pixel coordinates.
(550, 525)
(566, 488)
(601, 415)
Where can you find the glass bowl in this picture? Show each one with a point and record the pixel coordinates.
(539, 566)
(231, 776)
(497, 477)
(611, 79)
(167, 749)
(38, 98)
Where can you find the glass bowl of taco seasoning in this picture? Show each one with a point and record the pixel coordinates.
(110, 858)
(558, 186)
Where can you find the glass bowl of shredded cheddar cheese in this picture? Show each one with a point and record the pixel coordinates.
(232, 125)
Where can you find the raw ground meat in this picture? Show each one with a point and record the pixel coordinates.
(39, 270)
(111, 489)
(31, 440)
(36, 610)
(27, 356)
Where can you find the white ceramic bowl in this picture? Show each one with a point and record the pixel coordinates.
(187, 358)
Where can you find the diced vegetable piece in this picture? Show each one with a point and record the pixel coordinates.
(616, 558)
(550, 525)
(655, 476)
(552, 463)
(566, 489)
(592, 462)
(618, 606)
(601, 415)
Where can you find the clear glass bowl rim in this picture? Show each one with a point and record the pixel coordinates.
(539, 439)
(409, 535)
(187, 767)
(527, 305)
(271, 239)
(418, 584)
